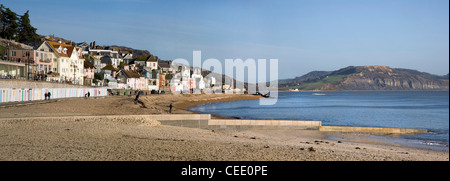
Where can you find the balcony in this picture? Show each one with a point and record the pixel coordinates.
(19, 61)
(46, 60)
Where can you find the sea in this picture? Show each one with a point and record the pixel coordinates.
(396, 109)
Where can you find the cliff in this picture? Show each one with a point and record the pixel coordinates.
(369, 78)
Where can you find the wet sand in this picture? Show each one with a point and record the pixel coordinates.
(111, 140)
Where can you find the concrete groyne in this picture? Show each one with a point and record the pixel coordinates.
(262, 124)
(371, 130)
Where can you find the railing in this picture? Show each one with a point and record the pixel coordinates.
(46, 60)
(21, 61)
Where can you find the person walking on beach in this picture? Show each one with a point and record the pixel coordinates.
(137, 98)
(88, 94)
(170, 108)
(48, 95)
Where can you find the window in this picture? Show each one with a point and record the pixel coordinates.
(37, 54)
(13, 53)
(54, 69)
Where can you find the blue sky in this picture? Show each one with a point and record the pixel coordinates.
(304, 35)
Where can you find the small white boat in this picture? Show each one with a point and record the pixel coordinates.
(318, 94)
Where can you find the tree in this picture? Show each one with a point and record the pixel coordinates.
(98, 76)
(9, 24)
(121, 65)
(2, 19)
(27, 33)
(16, 27)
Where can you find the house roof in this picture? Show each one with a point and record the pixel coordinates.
(132, 74)
(128, 56)
(152, 59)
(109, 67)
(142, 58)
(38, 44)
(92, 57)
(147, 58)
(164, 64)
(56, 46)
(106, 59)
(88, 64)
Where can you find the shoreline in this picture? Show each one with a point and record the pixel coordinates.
(132, 140)
(363, 90)
(185, 105)
(349, 136)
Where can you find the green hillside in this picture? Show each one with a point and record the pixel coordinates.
(317, 85)
(367, 78)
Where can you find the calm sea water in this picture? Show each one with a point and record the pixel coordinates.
(398, 109)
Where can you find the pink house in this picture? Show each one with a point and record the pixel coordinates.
(88, 72)
(40, 61)
(129, 79)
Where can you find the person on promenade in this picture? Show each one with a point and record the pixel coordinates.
(48, 95)
(170, 110)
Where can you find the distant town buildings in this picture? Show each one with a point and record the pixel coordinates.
(58, 60)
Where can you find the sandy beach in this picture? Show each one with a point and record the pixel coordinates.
(119, 140)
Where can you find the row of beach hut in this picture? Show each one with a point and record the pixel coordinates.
(22, 94)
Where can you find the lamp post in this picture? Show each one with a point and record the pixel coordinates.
(75, 68)
(8, 51)
(27, 53)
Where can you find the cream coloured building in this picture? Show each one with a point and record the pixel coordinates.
(67, 62)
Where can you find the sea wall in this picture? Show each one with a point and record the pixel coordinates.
(204, 121)
(33, 94)
(14, 83)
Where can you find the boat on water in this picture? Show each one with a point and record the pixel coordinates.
(318, 94)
